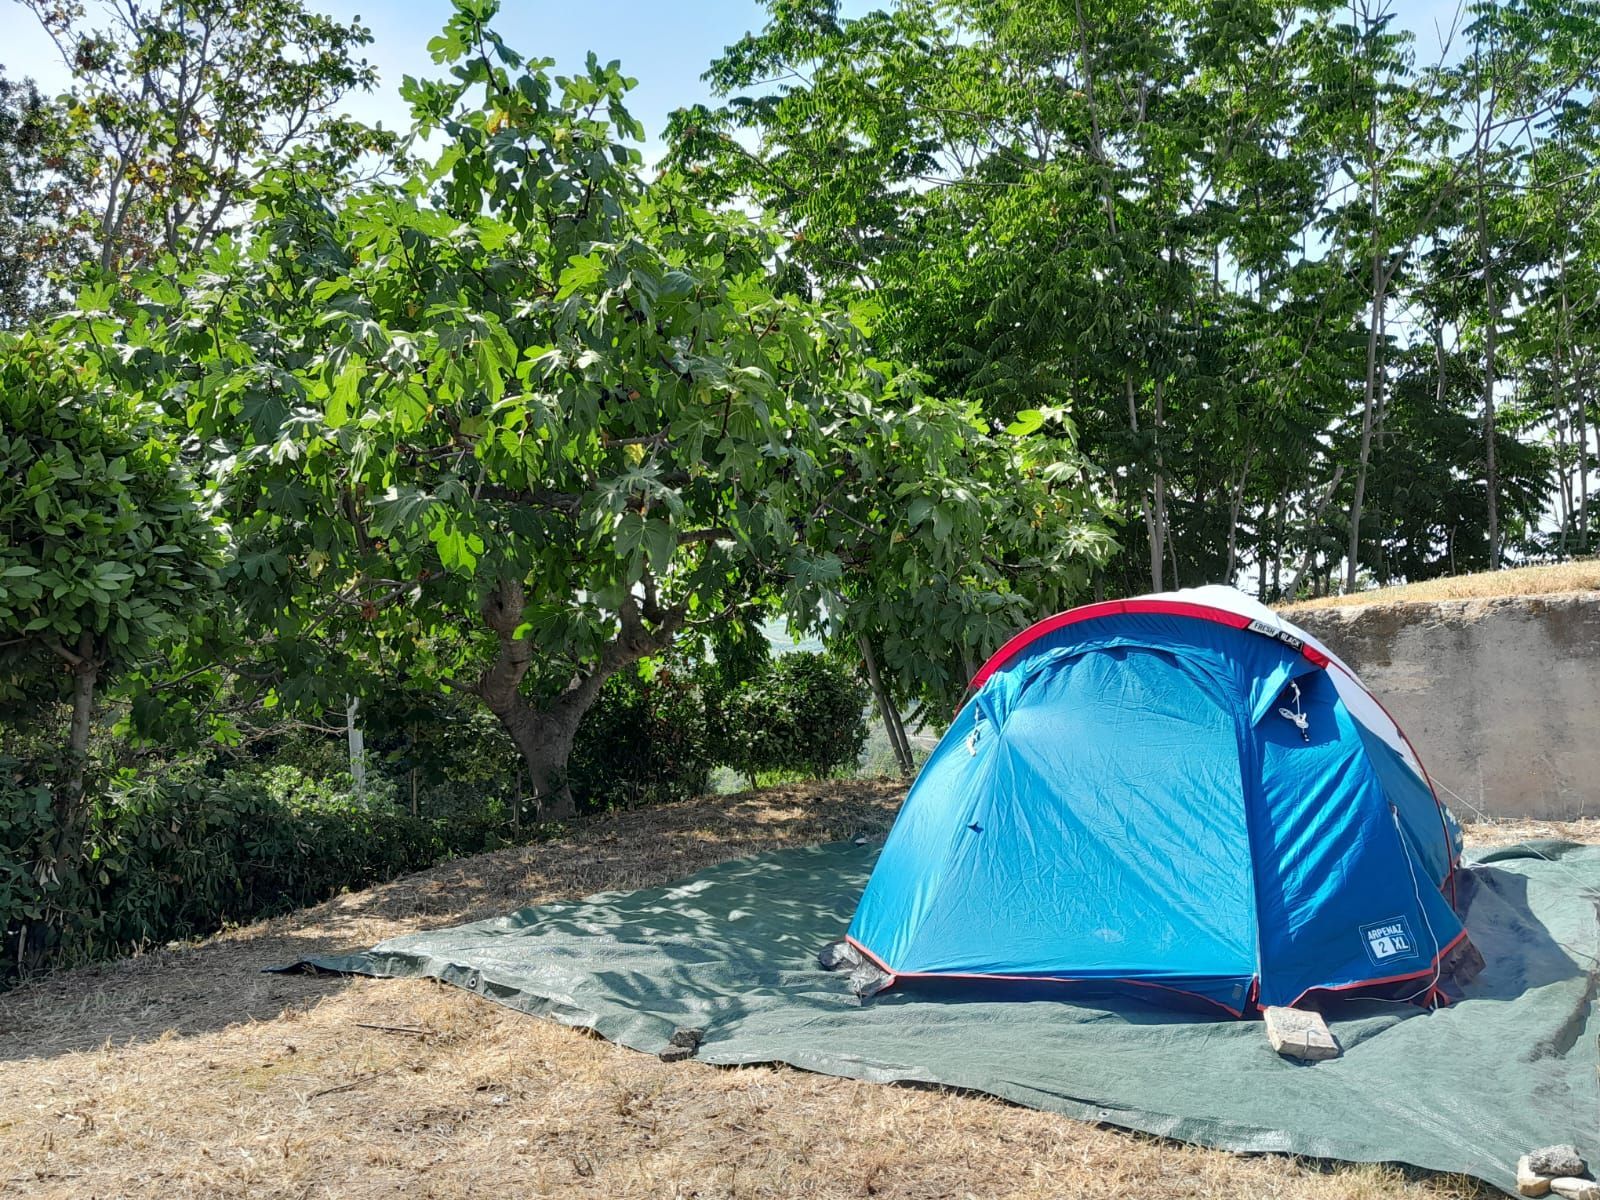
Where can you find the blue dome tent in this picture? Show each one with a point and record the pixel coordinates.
(1181, 797)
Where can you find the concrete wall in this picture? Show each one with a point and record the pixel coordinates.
(1500, 697)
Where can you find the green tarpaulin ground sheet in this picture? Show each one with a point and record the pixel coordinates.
(732, 950)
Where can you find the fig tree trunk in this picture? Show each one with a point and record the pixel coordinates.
(544, 739)
(543, 732)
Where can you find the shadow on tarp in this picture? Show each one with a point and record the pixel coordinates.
(732, 949)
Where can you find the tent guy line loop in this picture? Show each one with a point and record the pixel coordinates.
(1295, 716)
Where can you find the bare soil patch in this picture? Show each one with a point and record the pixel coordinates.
(1581, 576)
(187, 1072)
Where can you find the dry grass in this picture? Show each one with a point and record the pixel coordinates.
(1510, 830)
(188, 1073)
(1583, 576)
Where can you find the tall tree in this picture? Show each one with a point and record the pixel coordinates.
(1379, 75)
(1076, 203)
(42, 175)
(1529, 61)
(187, 103)
(110, 556)
(1204, 231)
(566, 414)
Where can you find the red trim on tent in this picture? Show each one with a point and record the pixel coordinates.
(876, 961)
(1222, 616)
(1111, 608)
(895, 976)
(1252, 1002)
(1430, 969)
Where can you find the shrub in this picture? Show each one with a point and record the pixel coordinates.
(804, 716)
(26, 879)
(174, 854)
(644, 741)
(302, 840)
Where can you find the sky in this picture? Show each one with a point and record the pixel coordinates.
(665, 44)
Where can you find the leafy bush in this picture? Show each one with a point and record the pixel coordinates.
(805, 715)
(443, 758)
(302, 840)
(439, 736)
(644, 741)
(26, 829)
(179, 851)
(174, 854)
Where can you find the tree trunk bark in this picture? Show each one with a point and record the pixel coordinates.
(1578, 490)
(1235, 500)
(1152, 518)
(544, 740)
(543, 734)
(1583, 471)
(908, 764)
(1491, 321)
(1370, 398)
(356, 742)
(1158, 426)
(1277, 552)
(69, 801)
(542, 737)
(891, 719)
(1563, 472)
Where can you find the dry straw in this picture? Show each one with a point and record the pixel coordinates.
(187, 1073)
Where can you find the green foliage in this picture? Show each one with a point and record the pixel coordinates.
(179, 106)
(27, 831)
(110, 554)
(1213, 236)
(303, 838)
(442, 738)
(527, 418)
(646, 740)
(43, 177)
(177, 853)
(957, 548)
(1040, 197)
(803, 716)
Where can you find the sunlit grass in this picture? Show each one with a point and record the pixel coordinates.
(1579, 576)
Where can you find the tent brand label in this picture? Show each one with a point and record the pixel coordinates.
(1389, 940)
(1272, 631)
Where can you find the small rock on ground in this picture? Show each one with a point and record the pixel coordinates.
(838, 956)
(1529, 1181)
(1558, 1160)
(1571, 1188)
(1300, 1033)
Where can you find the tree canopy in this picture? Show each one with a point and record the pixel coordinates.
(179, 106)
(111, 554)
(524, 417)
(944, 316)
(1265, 255)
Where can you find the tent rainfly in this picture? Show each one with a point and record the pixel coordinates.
(1181, 797)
